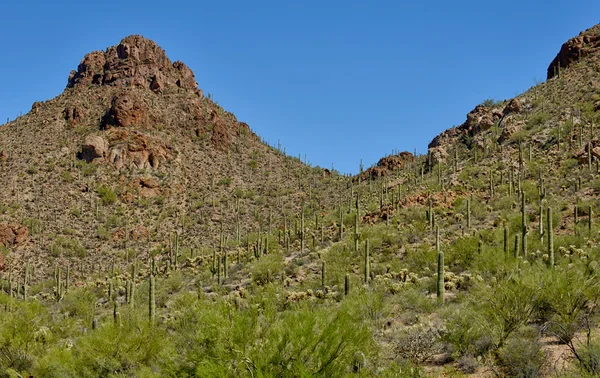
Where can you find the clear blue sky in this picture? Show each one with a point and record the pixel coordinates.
(336, 80)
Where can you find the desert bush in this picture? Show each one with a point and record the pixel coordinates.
(522, 356)
(107, 195)
(417, 344)
(266, 267)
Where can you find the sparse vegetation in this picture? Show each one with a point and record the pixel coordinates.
(228, 258)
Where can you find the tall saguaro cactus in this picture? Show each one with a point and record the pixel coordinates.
(550, 237)
(356, 220)
(151, 300)
(505, 241)
(367, 262)
(440, 268)
(468, 213)
(523, 225)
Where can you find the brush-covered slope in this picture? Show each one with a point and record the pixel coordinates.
(129, 153)
(477, 258)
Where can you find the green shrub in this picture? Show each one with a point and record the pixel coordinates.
(107, 195)
(522, 356)
(266, 267)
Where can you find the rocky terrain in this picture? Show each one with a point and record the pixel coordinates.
(145, 231)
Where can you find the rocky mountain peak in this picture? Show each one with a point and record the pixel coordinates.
(135, 62)
(585, 44)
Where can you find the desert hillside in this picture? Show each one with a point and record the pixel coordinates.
(145, 231)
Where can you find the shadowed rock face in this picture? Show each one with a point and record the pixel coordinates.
(585, 44)
(134, 62)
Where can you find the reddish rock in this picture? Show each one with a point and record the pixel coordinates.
(149, 182)
(582, 153)
(437, 155)
(139, 233)
(125, 110)
(133, 149)
(12, 234)
(220, 137)
(509, 130)
(585, 44)
(135, 61)
(388, 165)
(186, 76)
(73, 114)
(480, 119)
(94, 147)
(149, 187)
(513, 106)
(243, 129)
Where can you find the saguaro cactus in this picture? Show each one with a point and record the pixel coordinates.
(440, 268)
(367, 262)
(523, 225)
(468, 213)
(590, 221)
(347, 284)
(151, 300)
(356, 219)
(550, 237)
(302, 234)
(505, 241)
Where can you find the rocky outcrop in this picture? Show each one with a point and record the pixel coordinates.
(125, 110)
(134, 62)
(388, 165)
(94, 147)
(132, 149)
(12, 234)
(149, 187)
(480, 119)
(437, 155)
(73, 114)
(582, 153)
(509, 130)
(125, 149)
(585, 44)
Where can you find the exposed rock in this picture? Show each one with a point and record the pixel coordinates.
(132, 149)
(243, 129)
(149, 187)
(94, 147)
(481, 118)
(36, 106)
(135, 61)
(73, 114)
(582, 153)
(125, 110)
(437, 155)
(586, 43)
(187, 79)
(388, 165)
(149, 182)
(139, 233)
(12, 234)
(513, 106)
(509, 130)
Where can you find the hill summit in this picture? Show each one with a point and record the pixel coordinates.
(134, 62)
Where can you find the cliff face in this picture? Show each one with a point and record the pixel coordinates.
(586, 44)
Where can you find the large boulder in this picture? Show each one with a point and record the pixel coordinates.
(94, 147)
